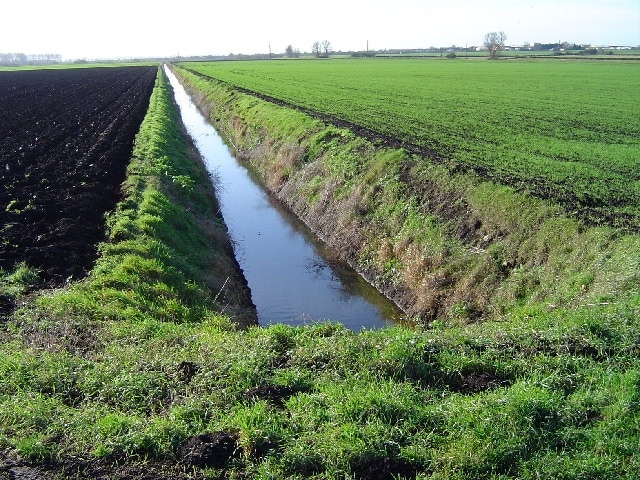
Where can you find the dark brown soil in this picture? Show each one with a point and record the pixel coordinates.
(210, 450)
(65, 140)
(275, 395)
(386, 468)
(474, 382)
(74, 468)
(207, 450)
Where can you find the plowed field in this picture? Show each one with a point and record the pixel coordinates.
(65, 140)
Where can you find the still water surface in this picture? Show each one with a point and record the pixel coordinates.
(294, 278)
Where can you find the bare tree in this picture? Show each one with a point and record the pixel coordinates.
(326, 48)
(494, 41)
(316, 49)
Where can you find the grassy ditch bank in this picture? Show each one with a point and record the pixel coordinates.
(167, 255)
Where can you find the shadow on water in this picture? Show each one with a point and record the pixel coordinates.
(293, 276)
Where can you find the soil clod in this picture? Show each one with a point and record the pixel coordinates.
(210, 449)
(475, 382)
(187, 370)
(273, 394)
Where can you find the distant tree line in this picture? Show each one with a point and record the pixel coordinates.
(364, 54)
(292, 52)
(321, 49)
(557, 46)
(494, 43)
(22, 59)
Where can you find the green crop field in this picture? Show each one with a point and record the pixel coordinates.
(564, 130)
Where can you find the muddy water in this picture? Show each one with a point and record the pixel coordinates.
(294, 278)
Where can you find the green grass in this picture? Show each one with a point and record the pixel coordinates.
(559, 398)
(563, 130)
(17, 281)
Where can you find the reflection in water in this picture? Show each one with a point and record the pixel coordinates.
(294, 278)
(318, 268)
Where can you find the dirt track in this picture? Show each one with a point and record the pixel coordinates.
(65, 140)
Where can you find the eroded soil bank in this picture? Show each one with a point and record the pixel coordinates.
(437, 241)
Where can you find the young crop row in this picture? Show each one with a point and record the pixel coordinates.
(569, 131)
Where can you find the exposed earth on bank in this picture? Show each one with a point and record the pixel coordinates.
(65, 141)
(75, 468)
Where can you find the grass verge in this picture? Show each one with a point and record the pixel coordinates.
(547, 395)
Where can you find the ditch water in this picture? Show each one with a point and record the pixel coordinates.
(294, 278)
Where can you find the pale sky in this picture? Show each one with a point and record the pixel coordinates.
(142, 28)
